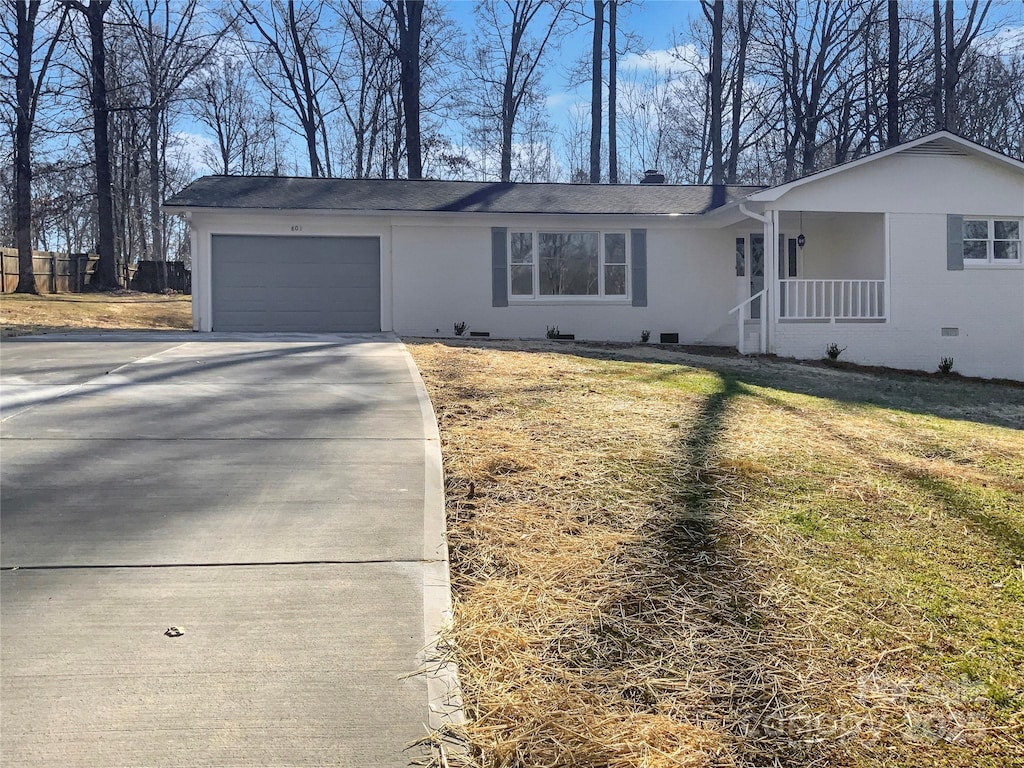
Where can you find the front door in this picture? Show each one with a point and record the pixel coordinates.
(756, 273)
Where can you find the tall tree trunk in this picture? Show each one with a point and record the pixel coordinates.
(597, 51)
(743, 37)
(396, 145)
(938, 114)
(716, 17)
(507, 123)
(26, 19)
(892, 86)
(951, 76)
(156, 227)
(105, 275)
(809, 157)
(310, 115)
(955, 50)
(409, 15)
(613, 75)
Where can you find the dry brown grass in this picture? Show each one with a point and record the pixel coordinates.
(22, 314)
(698, 562)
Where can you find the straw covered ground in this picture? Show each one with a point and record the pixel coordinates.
(662, 559)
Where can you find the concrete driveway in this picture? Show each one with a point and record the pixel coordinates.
(277, 498)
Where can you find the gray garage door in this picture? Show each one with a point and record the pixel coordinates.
(304, 284)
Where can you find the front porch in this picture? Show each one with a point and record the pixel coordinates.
(809, 267)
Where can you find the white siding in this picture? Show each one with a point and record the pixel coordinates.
(436, 271)
(850, 246)
(443, 276)
(986, 305)
(914, 184)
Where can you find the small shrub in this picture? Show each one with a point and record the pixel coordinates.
(460, 328)
(833, 351)
(946, 365)
(552, 332)
(645, 336)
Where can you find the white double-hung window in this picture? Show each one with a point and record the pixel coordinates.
(568, 264)
(992, 241)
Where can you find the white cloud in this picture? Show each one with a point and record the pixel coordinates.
(561, 100)
(679, 58)
(1003, 41)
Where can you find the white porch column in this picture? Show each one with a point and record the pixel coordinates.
(769, 308)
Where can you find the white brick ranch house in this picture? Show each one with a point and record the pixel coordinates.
(903, 257)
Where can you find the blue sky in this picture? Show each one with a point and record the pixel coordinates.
(660, 24)
(657, 22)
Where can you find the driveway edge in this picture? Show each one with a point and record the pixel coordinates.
(444, 697)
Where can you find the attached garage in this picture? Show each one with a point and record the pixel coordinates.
(294, 283)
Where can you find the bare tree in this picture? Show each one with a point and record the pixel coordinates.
(225, 104)
(744, 26)
(892, 84)
(292, 60)
(806, 60)
(169, 52)
(367, 81)
(613, 89)
(655, 126)
(714, 11)
(507, 61)
(27, 92)
(956, 47)
(991, 99)
(938, 113)
(596, 92)
(714, 85)
(105, 275)
(408, 19)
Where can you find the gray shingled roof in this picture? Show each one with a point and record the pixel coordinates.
(279, 193)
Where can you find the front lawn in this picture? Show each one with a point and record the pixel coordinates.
(22, 314)
(661, 559)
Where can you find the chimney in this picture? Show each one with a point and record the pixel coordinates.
(653, 177)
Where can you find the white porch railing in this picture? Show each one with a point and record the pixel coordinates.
(802, 299)
(739, 309)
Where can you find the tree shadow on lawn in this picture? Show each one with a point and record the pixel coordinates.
(695, 635)
(963, 500)
(700, 634)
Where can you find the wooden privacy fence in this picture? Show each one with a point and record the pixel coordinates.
(148, 278)
(54, 272)
(72, 272)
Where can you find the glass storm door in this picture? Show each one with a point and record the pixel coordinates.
(756, 273)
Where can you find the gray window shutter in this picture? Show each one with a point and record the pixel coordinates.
(499, 267)
(638, 243)
(954, 242)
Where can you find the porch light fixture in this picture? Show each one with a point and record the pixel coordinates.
(800, 239)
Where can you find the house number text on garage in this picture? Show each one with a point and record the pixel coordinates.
(296, 227)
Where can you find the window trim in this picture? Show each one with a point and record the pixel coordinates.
(990, 261)
(597, 298)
